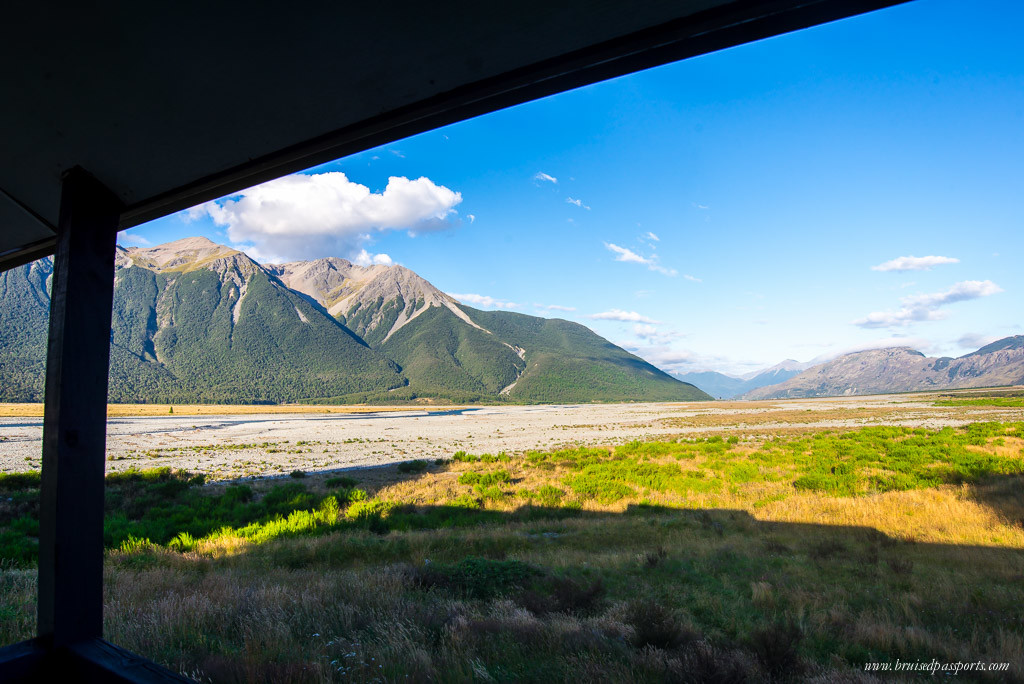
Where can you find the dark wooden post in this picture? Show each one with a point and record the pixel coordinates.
(75, 423)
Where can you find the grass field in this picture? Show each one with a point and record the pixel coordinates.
(724, 558)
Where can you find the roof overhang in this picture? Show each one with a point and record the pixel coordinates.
(171, 105)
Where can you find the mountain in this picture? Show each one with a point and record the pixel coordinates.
(374, 301)
(718, 385)
(563, 360)
(723, 386)
(194, 321)
(782, 370)
(24, 322)
(448, 349)
(902, 369)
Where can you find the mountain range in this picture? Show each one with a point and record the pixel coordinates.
(902, 369)
(194, 321)
(725, 386)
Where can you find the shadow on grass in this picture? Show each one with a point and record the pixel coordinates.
(527, 590)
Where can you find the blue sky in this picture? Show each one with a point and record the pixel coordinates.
(725, 212)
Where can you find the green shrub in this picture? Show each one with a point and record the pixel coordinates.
(417, 466)
(549, 496)
(16, 481)
(484, 479)
(603, 491)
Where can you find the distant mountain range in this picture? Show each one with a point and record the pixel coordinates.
(902, 369)
(194, 321)
(724, 386)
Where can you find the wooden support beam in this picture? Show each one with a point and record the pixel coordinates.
(75, 422)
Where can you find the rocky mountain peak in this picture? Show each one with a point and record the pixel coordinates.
(189, 254)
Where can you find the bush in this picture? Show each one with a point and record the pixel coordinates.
(340, 482)
(15, 481)
(654, 625)
(417, 466)
(562, 595)
(298, 474)
(484, 479)
(777, 648)
(371, 514)
(550, 496)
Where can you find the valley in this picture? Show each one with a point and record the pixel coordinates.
(314, 439)
(637, 542)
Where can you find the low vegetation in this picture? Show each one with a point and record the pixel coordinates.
(763, 558)
(1007, 402)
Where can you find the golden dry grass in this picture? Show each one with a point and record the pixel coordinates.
(948, 514)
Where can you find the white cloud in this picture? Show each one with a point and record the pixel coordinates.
(313, 215)
(630, 256)
(926, 307)
(133, 239)
(919, 343)
(577, 202)
(651, 236)
(483, 300)
(962, 291)
(626, 254)
(674, 360)
(661, 269)
(541, 176)
(471, 217)
(913, 263)
(976, 341)
(364, 258)
(555, 307)
(652, 335)
(620, 315)
(692, 278)
(668, 359)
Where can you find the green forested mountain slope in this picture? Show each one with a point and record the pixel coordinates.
(440, 352)
(565, 361)
(198, 322)
(24, 320)
(222, 330)
(238, 335)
